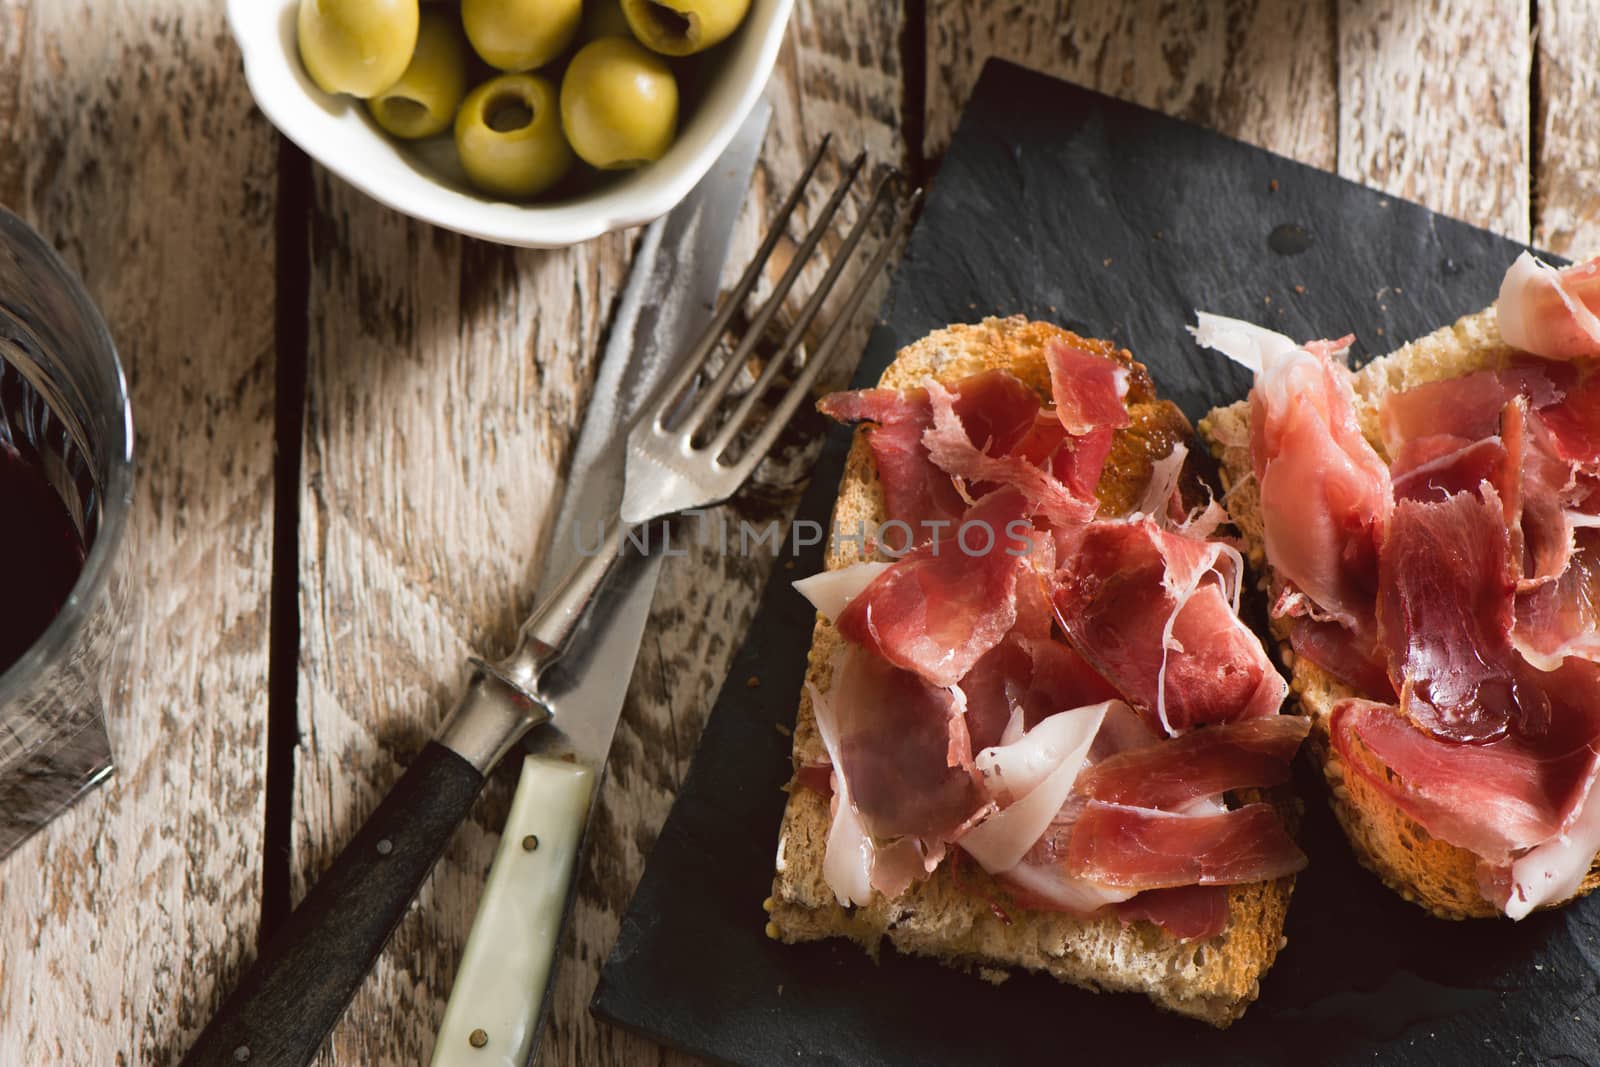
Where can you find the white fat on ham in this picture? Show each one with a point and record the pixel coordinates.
(1037, 772)
(1016, 726)
(1163, 484)
(1161, 498)
(1266, 353)
(1565, 327)
(1553, 871)
(848, 860)
(1182, 584)
(831, 591)
(1253, 347)
(853, 865)
(1052, 884)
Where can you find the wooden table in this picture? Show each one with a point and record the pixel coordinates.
(352, 429)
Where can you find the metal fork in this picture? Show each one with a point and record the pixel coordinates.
(678, 460)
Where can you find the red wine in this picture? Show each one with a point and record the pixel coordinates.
(41, 552)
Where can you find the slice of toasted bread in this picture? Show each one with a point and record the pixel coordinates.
(1437, 876)
(960, 915)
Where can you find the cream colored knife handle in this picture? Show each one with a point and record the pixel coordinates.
(494, 1008)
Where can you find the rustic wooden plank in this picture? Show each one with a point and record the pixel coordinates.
(438, 419)
(131, 143)
(1433, 105)
(1566, 198)
(1260, 70)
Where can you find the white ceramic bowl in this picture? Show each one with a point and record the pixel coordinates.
(425, 182)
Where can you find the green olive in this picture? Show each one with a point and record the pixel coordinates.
(683, 27)
(508, 135)
(603, 18)
(619, 104)
(359, 47)
(520, 34)
(424, 101)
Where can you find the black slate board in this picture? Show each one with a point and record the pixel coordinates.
(1063, 204)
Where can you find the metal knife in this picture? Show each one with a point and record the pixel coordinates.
(290, 998)
(502, 986)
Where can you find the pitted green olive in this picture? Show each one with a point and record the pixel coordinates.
(424, 101)
(359, 47)
(619, 104)
(508, 135)
(683, 27)
(520, 35)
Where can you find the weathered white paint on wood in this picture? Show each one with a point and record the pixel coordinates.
(1433, 105)
(1260, 70)
(132, 144)
(1566, 195)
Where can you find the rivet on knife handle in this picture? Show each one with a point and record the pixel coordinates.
(492, 1017)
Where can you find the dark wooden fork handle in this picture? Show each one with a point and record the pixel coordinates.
(289, 999)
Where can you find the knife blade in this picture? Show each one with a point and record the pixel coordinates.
(502, 987)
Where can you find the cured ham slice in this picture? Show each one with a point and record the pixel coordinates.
(1043, 881)
(1354, 659)
(1540, 486)
(889, 735)
(1562, 618)
(915, 491)
(996, 409)
(1090, 391)
(1468, 407)
(1549, 873)
(1034, 677)
(1140, 848)
(1151, 611)
(1549, 312)
(1445, 611)
(939, 609)
(1032, 778)
(1325, 494)
(1496, 799)
(1162, 500)
(1122, 731)
(1574, 423)
(1202, 763)
(1441, 477)
(952, 450)
(990, 431)
(1188, 913)
(830, 592)
(1076, 462)
(853, 864)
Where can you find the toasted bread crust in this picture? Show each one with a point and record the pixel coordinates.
(960, 915)
(1437, 876)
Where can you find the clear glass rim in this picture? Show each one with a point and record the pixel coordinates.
(116, 494)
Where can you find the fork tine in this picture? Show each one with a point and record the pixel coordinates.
(801, 388)
(791, 340)
(697, 356)
(714, 393)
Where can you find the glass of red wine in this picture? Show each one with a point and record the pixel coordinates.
(66, 486)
